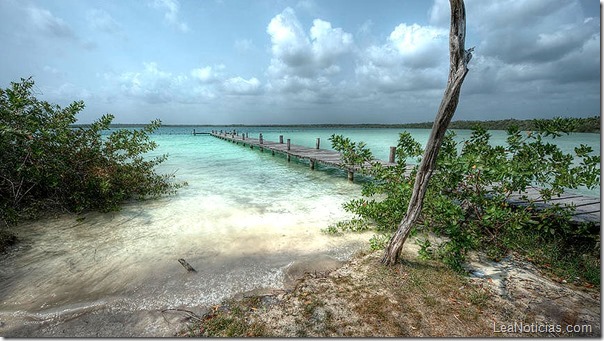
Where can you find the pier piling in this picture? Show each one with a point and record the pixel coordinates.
(392, 154)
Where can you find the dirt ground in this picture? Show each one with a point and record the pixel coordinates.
(414, 298)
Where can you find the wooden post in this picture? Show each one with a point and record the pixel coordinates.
(243, 137)
(281, 139)
(193, 131)
(289, 157)
(288, 144)
(312, 164)
(392, 154)
(247, 135)
(261, 141)
(273, 152)
(350, 175)
(318, 142)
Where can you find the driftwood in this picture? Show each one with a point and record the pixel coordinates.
(459, 59)
(186, 265)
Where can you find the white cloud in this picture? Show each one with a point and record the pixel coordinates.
(328, 43)
(208, 74)
(151, 85)
(171, 16)
(242, 86)
(417, 45)
(155, 86)
(203, 74)
(304, 63)
(414, 57)
(291, 46)
(395, 78)
(64, 93)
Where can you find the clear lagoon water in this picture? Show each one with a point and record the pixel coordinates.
(244, 217)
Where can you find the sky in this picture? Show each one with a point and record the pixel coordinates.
(302, 61)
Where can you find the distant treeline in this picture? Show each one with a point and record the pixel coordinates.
(583, 125)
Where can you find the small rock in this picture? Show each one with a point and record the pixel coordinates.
(478, 274)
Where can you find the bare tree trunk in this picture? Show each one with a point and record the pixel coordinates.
(459, 59)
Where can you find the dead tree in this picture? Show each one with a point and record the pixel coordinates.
(459, 59)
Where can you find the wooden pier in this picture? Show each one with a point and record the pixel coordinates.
(587, 209)
(313, 155)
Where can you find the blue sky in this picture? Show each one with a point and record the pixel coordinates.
(302, 61)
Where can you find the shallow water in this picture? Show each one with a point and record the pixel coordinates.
(244, 217)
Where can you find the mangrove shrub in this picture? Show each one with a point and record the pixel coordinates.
(467, 202)
(47, 165)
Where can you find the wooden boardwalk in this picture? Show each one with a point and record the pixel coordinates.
(587, 209)
(313, 155)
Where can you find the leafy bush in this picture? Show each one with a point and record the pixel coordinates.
(46, 164)
(353, 154)
(468, 202)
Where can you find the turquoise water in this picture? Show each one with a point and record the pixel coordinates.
(243, 219)
(378, 140)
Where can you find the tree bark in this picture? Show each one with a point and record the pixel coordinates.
(459, 59)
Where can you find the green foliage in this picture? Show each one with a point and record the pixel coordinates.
(379, 241)
(46, 164)
(469, 200)
(352, 225)
(353, 154)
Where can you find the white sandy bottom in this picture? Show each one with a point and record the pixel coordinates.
(72, 278)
